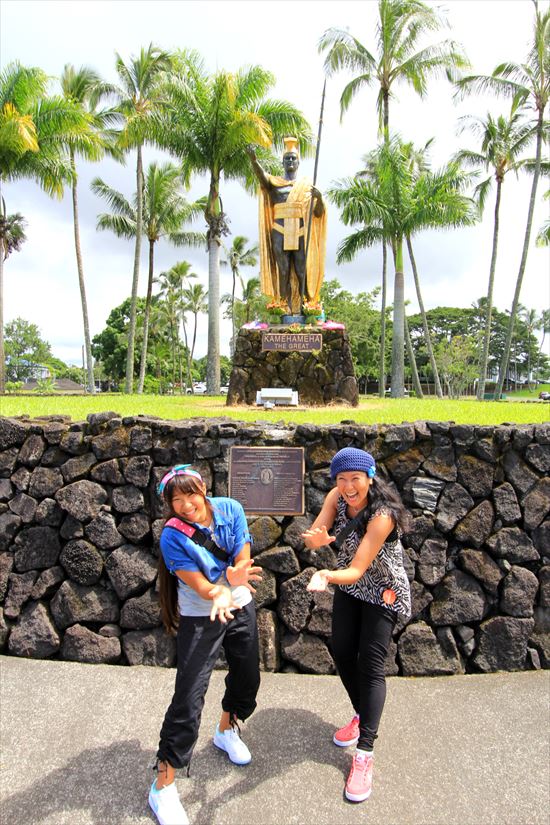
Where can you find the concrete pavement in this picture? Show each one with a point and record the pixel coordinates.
(77, 741)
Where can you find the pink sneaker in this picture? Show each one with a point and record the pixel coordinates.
(359, 784)
(348, 735)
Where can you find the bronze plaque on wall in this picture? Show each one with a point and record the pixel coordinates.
(292, 341)
(268, 480)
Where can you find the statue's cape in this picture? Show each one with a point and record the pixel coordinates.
(300, 194)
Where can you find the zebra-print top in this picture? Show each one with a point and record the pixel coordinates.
(386, 571)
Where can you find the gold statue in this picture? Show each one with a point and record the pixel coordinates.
(284, 218)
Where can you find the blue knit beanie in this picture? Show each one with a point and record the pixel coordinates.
(350, 459)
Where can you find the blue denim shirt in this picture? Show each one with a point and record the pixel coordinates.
(229, 531)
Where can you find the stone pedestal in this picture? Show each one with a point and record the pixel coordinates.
(322, 377)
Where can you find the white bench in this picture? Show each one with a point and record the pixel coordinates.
(277, 396)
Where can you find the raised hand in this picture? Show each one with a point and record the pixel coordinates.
(243, 573)
(319, 581)
(317, 537)
(222, 603)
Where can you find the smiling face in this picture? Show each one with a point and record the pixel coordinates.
(191, 506)
(353, 486)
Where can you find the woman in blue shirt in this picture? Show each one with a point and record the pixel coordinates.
(205, 594)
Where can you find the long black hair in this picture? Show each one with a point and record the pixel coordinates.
(168, 584)
(383, 494)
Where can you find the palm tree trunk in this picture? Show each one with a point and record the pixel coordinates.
(143, 361)
(412, 362)
(213, 359)
(188, 359)
(523, 262)
(81, 284)
(398, 343)
(128, 386)
(488, 319)
(232, 348)
(382, 367)
(427, 336)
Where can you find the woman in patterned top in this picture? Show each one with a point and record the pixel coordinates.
(365, 518)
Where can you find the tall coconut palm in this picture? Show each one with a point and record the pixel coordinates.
(33, 128)
(398, 59)
(392, 204)
(528, 84)
(419, 165)
(172, 284)
(503, 141)
(215, 118)
(251, 298)
(237, 256)
(164, 213)
(401, 26)
(141, 101)
(195, 300)
(85, 88)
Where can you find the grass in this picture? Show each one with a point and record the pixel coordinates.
(526, 393)
(370, 410)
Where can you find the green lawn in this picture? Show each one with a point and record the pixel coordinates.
(369, 411)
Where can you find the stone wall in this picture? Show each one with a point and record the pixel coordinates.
(80, 521)
(322, 377)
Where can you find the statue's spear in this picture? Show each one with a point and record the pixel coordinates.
(310, 217)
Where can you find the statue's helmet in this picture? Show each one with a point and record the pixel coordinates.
(291, 145)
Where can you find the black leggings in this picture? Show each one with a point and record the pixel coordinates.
(198, 645)
(361, 634)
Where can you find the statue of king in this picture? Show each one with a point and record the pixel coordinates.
(285, 204)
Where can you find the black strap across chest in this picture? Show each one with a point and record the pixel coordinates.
(199, 536)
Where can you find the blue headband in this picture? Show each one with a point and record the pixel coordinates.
(349, 459)
(178, 470)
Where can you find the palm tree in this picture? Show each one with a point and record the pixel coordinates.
(418, 162)
(238, 256)
(398, 59)
(543, 324)
(141, 101)
(86, 89)
(251, 298)
(401, 25)
(503, 140)
(12, 238)
(195, 301)
(392, 203)
(528, 84)
(215, 118)
(165, 210)
(33, 129)
(530, 319)
(171, 290)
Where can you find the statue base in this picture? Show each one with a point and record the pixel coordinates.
(325, 376)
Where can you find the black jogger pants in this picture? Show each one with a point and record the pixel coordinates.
(361, 634)
(198, 646)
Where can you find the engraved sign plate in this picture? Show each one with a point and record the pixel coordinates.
(292, 341)
(268, 480)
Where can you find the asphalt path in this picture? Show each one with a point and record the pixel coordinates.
(78, 741)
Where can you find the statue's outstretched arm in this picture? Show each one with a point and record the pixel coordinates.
(258, 171)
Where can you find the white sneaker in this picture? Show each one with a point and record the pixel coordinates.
(230, 742)
(166, 805)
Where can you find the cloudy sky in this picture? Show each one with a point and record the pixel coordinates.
(41, 280)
